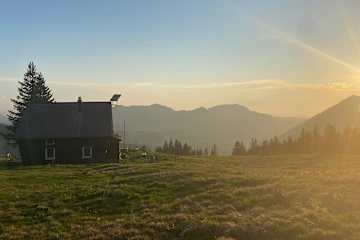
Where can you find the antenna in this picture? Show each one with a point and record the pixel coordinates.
(124, 137)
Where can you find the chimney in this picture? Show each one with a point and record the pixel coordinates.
(79, 104)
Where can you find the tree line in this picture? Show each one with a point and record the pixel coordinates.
(329, 140)
(176, 147)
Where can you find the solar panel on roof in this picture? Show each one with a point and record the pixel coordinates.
(115, 98)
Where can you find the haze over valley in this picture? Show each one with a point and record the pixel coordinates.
(221, 125)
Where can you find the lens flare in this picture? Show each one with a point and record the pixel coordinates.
(305, 46)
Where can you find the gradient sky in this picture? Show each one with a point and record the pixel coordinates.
(288, 58)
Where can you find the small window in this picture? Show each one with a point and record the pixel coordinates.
(50, 153)
(49, 142)
(87, 152)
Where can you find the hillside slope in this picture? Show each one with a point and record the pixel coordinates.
(152, 125)
(344, 114)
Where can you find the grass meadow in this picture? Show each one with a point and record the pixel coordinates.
(277, 197)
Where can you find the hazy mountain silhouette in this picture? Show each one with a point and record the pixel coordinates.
(2, 140)
(4, 147)
(3, 119)
(152, 125)
(344, 114)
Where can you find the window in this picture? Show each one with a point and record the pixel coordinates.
(87, 152)
(49, 142)
(49, 153)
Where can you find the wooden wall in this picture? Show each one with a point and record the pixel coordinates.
(69, 151)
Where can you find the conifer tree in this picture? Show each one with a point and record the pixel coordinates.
(171, 147)
(254, 147)
(165, 148)
(239, 149)
(159, 150)
(214, 150)
(236, 147)
(43, 92)
(186, 149)
(315, 142)
(177, 147)
(242, 148)
(330, 139)
(32, 89)
(206, 151)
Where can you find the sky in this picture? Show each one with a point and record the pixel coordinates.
(286, 58)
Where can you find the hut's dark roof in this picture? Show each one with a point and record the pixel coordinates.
(66, 120)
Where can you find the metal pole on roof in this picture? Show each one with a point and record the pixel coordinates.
(124, 135)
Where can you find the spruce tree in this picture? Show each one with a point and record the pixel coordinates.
(206, 151)
(165, 148)
(44, 94)
(186, 149)
(159, 150)
(177, 147)
(171, 147)
(214, 150)
(236, 149)
(254, 146)
(242, 148)
(32, 89)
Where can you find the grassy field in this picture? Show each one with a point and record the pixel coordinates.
(279, 197)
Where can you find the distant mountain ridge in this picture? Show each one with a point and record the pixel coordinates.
(3, 145)
(342, 115)
(3, 119)
(223, 125)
